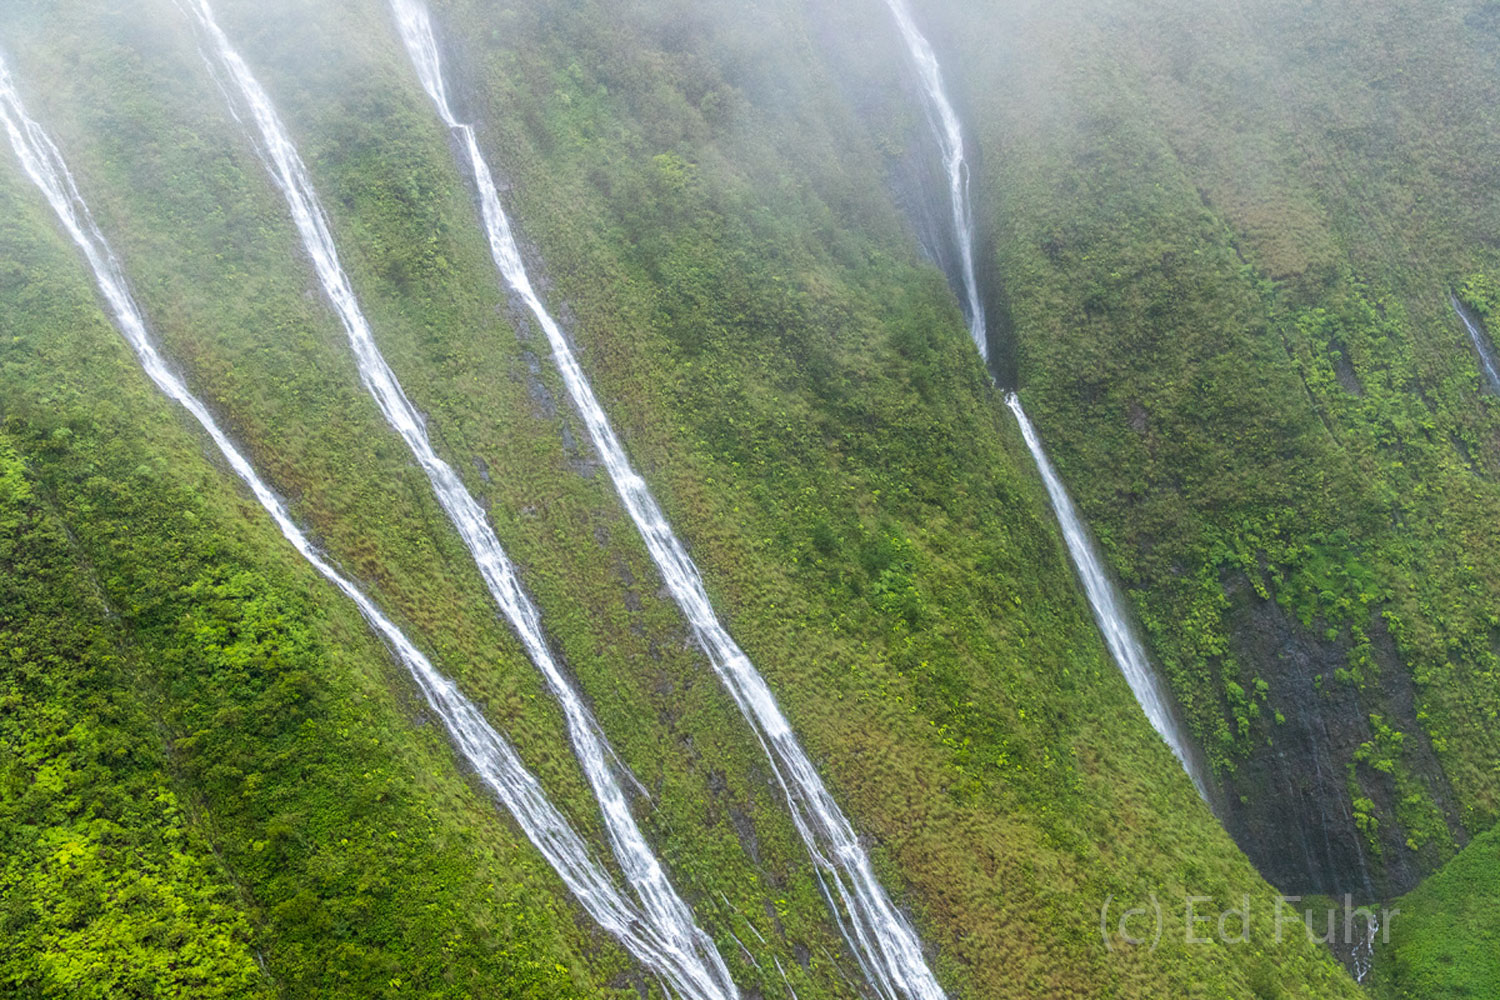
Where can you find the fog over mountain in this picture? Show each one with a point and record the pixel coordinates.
(892, 499)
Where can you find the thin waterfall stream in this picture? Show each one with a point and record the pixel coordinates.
(692, 950)
(1104, 598)
(950, 137)
(494, 761)
(881, 938)
(1487, 360)
(1110, 613)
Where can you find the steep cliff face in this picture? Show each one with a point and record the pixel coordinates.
(1327, 804)
(727, 206)
(1228, 245)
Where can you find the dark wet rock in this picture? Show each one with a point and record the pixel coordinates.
(541, 396)
(1290, 807)
(583, 459)
(1343, 369)
(744, 830)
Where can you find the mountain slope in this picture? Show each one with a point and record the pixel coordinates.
(1228, 244)
(789, 374)
(259, 808)
(1446, 943)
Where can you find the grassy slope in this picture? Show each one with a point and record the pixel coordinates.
(1445, 942)
(831, 453)
(1228, 243)
(797, 387)
(208, 760)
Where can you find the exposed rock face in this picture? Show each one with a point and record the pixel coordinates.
(1290, 805)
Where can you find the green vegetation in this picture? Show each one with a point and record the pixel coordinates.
(213, 785)
(1445, 943)
(109, 891)
(1479, 293)
(1227, 245)
(709, 210)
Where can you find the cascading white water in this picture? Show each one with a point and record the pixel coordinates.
(950, 138)
(1363, 956)
(1105, 599)
(1109, 609)
(691, 952)
(493, 759)
(885, 943)
(1481, 344)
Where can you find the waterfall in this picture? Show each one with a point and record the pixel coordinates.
(1125, 646)
(882, 939)
(950, 139)
(691, 951)
(1487, 362)
(1109, 611)
(1363, 956)
(493, 759)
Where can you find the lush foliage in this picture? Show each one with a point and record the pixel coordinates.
(212, 783)
(1228, 245)
(711, 216)
(108, 889)
(1445, 943)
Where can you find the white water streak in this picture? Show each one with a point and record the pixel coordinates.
(1108, 607)
(884, 941)
(1363, 957)
(494, 761)
(1109, 610)
(688, 956)
(950, 138)
(1481, 344)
